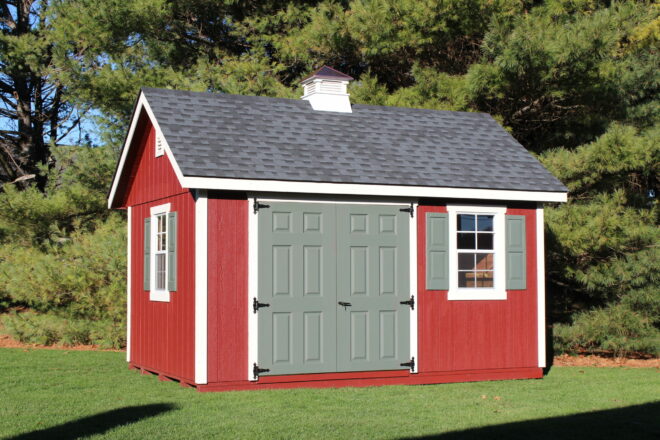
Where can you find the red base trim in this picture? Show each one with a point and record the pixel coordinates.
(373, 378)
(163, 377)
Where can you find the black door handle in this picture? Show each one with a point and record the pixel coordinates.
(345, 304)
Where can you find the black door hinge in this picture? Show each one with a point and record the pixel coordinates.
(256, 206)
(256, 305)
(256, 371)
(411, 210)
(410, 364)
(410, 302)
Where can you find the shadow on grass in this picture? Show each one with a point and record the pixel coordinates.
(632, 422)
(99, 423)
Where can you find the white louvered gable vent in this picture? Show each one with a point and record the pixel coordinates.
(160, 145)
(326, 90)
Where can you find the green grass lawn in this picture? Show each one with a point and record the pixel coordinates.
(60, 394)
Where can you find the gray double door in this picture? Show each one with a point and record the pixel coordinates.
(333, 276)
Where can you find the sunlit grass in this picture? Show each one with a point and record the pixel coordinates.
(44, 389)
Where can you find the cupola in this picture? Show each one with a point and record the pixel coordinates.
(325, 90)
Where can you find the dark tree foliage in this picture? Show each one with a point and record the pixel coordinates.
(35, 111)
(575, 81)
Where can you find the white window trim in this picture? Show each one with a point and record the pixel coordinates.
(498, 292)
(157, 294)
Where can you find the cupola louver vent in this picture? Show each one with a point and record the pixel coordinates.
(326, 90)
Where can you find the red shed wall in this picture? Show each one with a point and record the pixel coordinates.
(162, 333)
(474, 335)
(227, 289)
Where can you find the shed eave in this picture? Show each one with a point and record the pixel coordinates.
(358, 189)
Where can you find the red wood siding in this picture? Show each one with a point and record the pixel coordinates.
(162, 333)
(146, 178)
(227, 289)
(475, 335)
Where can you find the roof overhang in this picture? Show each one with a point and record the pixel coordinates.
(285, 186)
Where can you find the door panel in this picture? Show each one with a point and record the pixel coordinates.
(297, 277)
(313, 256)
(372, 275)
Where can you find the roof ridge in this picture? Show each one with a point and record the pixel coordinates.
(300, 102)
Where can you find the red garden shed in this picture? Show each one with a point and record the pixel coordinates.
(278, 243)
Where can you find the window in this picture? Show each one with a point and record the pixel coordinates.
(476, 253)
(158, 256)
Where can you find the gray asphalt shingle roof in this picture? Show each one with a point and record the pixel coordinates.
(249, 137)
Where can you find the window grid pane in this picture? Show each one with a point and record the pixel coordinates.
(160, 271)
(475, 233)
(161, 252)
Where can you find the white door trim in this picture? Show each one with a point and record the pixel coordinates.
(253, 288)
(253, 271)
(412, 248)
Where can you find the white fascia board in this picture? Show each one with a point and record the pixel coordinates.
(540, 287)
(201, 287)
(270, 186)
(141, 104)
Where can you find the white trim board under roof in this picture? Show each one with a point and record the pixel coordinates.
(247, 143)
(414, 192)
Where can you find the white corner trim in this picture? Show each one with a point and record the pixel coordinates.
(201, 287)
(413, 288)
(498, 292)
(540, 287)
(284, 186)
(253, 289)
(128, 284)
(142, 104)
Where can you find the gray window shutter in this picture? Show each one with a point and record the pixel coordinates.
(516, 258)
(171, 251)
(147, 253)
(437, 251)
